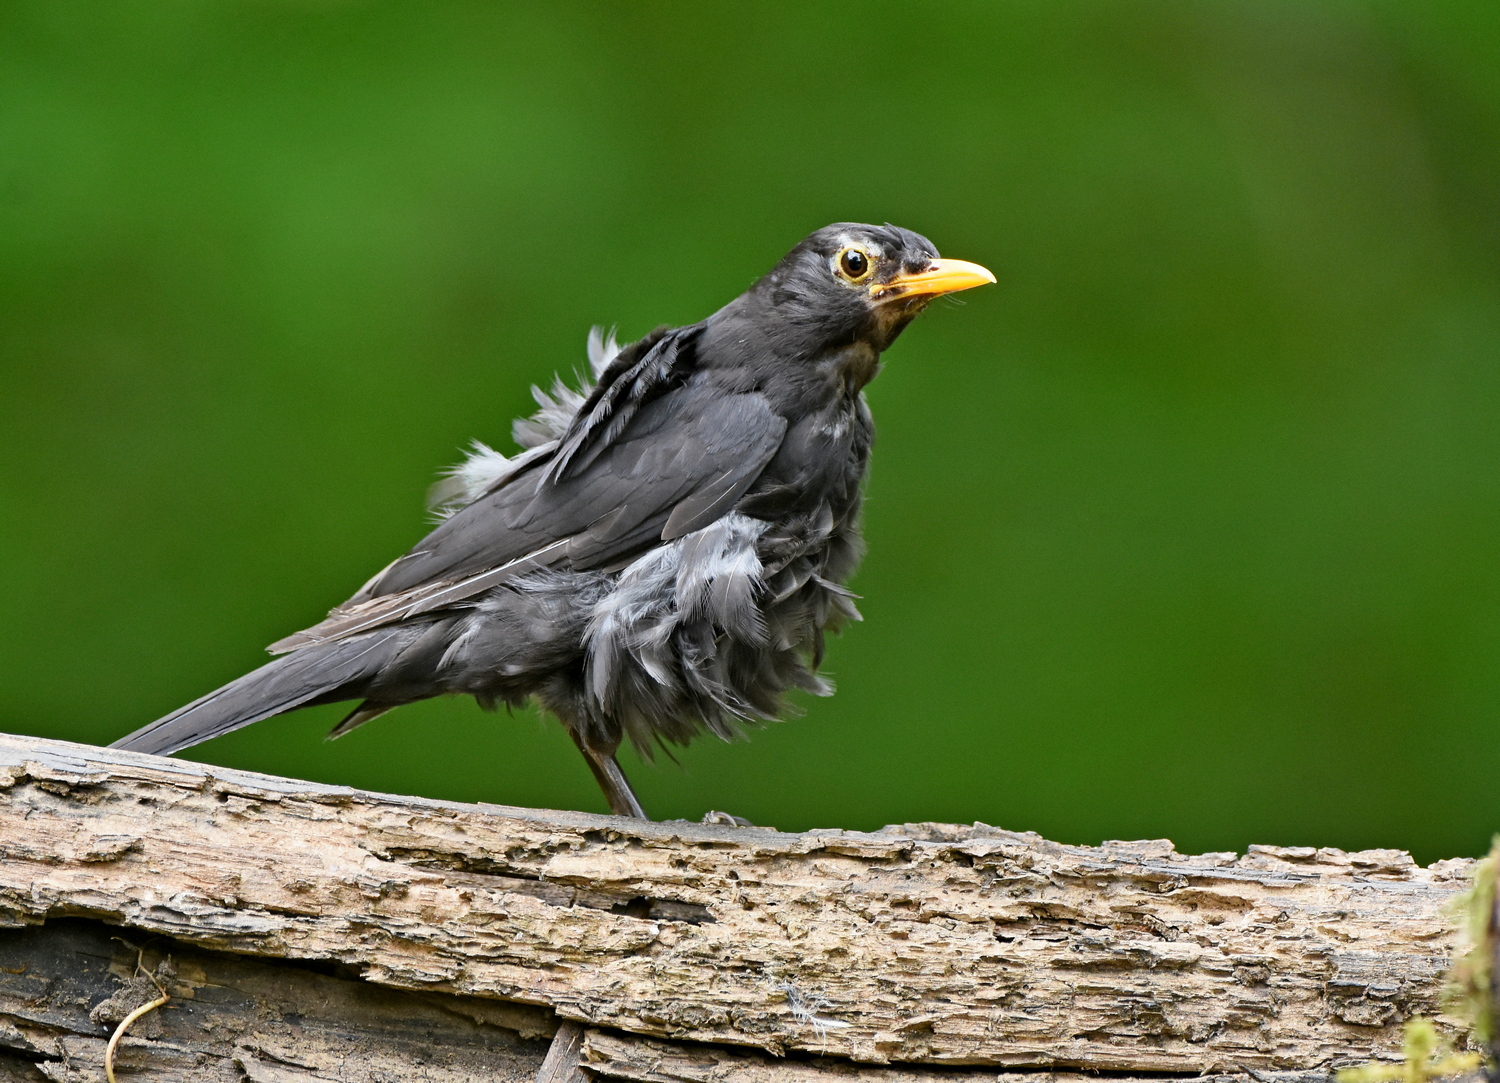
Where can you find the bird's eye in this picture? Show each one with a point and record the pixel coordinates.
(853, 264)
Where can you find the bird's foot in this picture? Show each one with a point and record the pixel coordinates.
(724, 819)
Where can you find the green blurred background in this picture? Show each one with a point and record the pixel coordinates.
(1189, 528)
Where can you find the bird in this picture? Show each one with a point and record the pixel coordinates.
(664, 556)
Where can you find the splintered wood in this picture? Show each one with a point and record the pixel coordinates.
(924, 943)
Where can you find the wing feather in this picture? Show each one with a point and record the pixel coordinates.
(638, 374)
(682, 459)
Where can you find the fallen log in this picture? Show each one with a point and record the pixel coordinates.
(921, 946)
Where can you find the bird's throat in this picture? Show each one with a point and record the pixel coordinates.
(856, 366)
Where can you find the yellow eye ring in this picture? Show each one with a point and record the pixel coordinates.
(854, 264)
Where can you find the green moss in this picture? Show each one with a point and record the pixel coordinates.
(1425, 1057)
(1469, 994)
(1425, 1054)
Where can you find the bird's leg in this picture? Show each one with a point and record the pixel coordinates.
(611, 779)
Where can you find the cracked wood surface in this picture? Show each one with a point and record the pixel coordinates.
(651, 1060)
(926, 944)
(65, 986)
(232, 1019)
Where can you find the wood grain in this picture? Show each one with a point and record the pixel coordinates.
(64, 987)
(924, 943)
(614, 1055)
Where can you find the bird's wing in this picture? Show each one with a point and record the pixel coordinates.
(679, 461)
(640, 373)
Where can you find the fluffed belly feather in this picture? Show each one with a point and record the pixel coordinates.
(696, 634)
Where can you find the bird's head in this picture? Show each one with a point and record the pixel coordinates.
(849, 282)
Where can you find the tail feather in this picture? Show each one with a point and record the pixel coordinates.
(317, 672)
(358, 717)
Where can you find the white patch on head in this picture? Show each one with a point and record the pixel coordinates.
(847, 240)
(864, 244)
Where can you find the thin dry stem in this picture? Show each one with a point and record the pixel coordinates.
(144, 1009)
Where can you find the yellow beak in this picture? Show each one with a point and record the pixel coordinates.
(941, 276)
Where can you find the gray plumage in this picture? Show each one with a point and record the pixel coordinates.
(664, 556)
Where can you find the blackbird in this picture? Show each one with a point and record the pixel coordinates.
(667, 552)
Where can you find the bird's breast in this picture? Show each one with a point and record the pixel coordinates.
(821, 462)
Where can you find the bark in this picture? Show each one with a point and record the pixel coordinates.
(922, 944)
(650, 1060)
(65, 986)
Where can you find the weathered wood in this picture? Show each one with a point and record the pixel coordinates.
(923, 944)
(563, 1055)
(65, 986)
(652, 1060)
(233, 1019)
